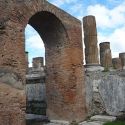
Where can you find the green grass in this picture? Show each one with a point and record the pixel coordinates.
(115, 123)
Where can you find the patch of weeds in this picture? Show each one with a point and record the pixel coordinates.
(115, 123)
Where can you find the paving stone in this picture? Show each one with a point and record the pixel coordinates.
(91, 123)
(103, 118)
(95, 120)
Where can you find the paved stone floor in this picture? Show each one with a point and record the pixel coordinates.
(95, 120)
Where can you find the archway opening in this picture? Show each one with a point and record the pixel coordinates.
(35, 86)
(34, 45)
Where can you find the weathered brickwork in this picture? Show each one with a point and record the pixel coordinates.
(12, 105)
(61, 34)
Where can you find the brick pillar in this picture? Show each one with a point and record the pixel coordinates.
(90, 40)
(105, 54)
(122, 57)
(117, 63)
(37, 62)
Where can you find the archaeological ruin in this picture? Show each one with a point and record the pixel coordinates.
(62, 38)
(66, 88)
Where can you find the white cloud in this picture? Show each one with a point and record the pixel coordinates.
(33, 39)
(57, 2)
(77, 10)
(35, 42)
(74, 7)
(117, 40)
(108, 18)
(62, 2)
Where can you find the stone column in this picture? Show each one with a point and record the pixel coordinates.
(37, 62)
(117, 63)
(90, 40)
(122, 57)
(105, 54)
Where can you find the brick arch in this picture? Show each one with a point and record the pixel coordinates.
(49, 28)
(64, 54)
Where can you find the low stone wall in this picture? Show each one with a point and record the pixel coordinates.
(105, 92)
(36, 99)
(36, 92)
(12, 105)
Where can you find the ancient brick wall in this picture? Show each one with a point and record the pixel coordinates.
(64, 55)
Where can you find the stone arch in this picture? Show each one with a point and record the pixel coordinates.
(64, 56)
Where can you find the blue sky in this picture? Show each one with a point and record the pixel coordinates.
(110, 19)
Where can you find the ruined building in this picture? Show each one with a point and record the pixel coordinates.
(70, 93)
(62, 38)
(104, 86)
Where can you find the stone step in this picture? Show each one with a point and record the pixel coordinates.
(36, 117)
(50, 124)
(92, 123)
(58, 122)
(83, 123)
(103, 118)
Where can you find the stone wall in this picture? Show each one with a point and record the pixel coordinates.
(105, 92)
(12, 105)
(36, 101)
(12, 98)
(36, 91)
